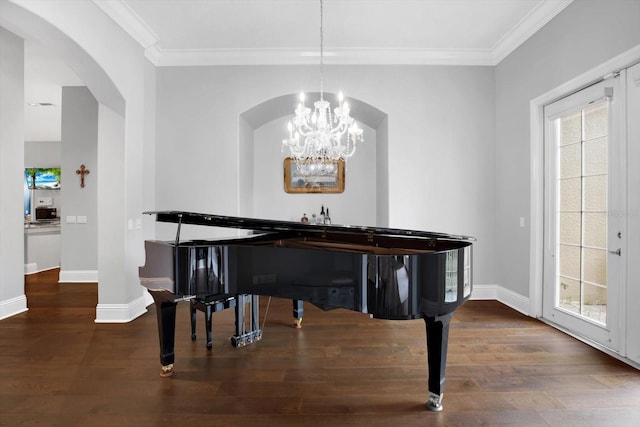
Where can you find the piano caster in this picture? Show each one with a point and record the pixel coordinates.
(167, 371)
(193, 337)
(297, 323)
(434, 403)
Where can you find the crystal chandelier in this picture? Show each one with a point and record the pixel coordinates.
(316, 141)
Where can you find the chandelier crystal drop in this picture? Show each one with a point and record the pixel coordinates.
(318, 140)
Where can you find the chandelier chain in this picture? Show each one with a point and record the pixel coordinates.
(321, 136)
(321, 49)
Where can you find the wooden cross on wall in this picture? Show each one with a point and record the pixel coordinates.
(82, 172)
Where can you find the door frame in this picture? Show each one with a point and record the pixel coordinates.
(537, 165)
(611, 333)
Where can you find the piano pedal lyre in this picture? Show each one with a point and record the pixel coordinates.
(243, 336)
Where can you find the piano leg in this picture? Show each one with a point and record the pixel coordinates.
(298, 313)
(208, 314)
(437, 342)
(166, 311)
(193, 320)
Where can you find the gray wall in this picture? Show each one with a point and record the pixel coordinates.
(584, 35)
(439, 153)
(356, 205)
(79, 251)
(42, 154)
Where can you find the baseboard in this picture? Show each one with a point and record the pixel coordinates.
(121, 313)
(13, 306)
(30, 268)
(33, 269)
(505, 296)
(148, 299)
(484, 292)
(78, 276)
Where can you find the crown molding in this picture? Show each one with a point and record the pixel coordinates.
(537, 18)
(129, 21)
(352, 56)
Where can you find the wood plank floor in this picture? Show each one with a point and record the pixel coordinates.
(58, 367)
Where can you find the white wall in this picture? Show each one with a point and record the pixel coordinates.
(440, 142)
(584, 35)
(79, 249)
(117, 75)
(42, 154)
(12, 297)
(246, 174)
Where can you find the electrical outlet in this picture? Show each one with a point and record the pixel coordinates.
(45, 201)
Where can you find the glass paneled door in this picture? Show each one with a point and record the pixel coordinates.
(583, 182)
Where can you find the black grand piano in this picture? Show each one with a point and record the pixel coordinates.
(387, 273)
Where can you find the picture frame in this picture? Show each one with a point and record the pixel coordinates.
(297, 182)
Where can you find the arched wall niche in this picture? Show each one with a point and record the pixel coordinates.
(365, 200)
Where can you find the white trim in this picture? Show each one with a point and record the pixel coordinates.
(539, 16)
(121, 313)
(514, 300)
(484, 292)
(135, 26)
(362, 56)
(74, 276)
(31, 268)
(505, 296)
(594, 344)
(148, 299)
(13, 306)
(129, 21)
(536, 116)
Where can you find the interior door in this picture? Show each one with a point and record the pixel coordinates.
(584, 189)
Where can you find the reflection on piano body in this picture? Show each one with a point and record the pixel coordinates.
(387, 273)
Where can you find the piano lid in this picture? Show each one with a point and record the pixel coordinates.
(370, 235)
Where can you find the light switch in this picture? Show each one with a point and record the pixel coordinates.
(82, 219)
(71, 219)
(521, 221)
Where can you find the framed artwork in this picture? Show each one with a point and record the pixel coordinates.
(310, 180)
(42, 178)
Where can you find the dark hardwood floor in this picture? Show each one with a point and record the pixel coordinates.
(58, 367)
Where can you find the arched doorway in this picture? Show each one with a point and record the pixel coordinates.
(120, 252)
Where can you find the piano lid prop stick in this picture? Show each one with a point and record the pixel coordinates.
(178, 232)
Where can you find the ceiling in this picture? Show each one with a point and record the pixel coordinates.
(211, 32)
